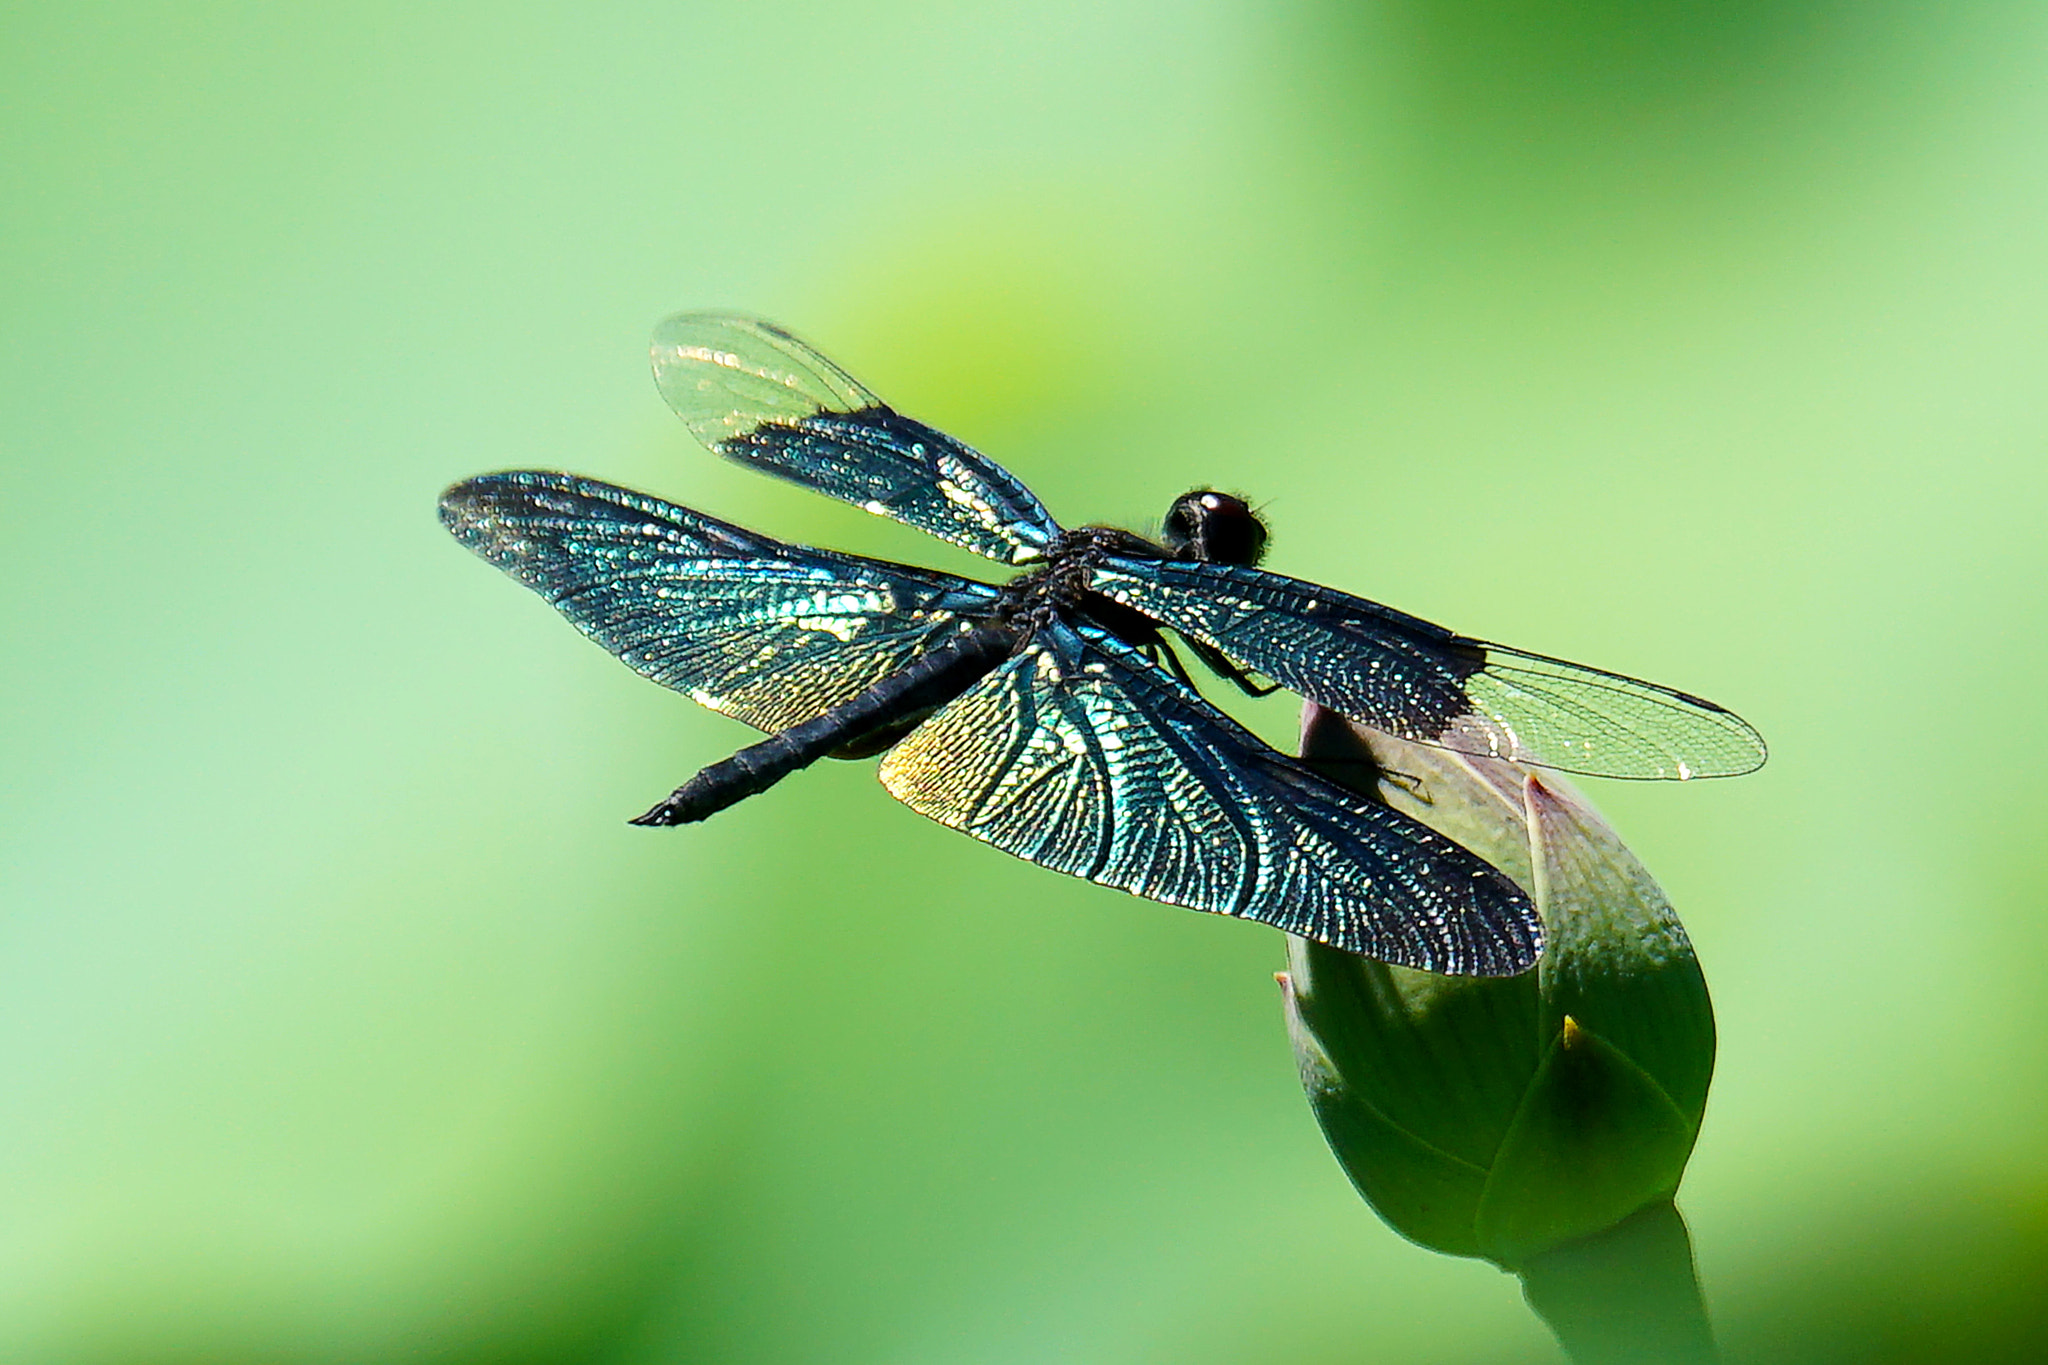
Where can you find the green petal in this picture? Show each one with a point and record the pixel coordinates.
(1619, 960)
(1597, 1138)
(1407, 1078)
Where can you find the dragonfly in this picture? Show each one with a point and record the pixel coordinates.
(1051, 715)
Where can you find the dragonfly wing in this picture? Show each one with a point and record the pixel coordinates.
(1080, 756)
(1419, 681)
(756, 394)
(768, 633)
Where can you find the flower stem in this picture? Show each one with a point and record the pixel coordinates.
(1625, 1295)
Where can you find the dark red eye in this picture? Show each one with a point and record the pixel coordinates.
(1214, 528)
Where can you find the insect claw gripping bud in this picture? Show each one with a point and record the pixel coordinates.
(1504, 1118)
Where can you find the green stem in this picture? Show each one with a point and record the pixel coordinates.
(1627, 1295)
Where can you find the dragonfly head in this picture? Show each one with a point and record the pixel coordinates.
(1213, 528)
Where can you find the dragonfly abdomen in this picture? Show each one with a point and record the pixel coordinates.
(929, 682)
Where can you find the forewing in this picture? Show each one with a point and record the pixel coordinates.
(1079, 755)
(769, 633)
(1419, 681)
(756, 394)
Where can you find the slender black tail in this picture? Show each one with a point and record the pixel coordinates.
(929, 682)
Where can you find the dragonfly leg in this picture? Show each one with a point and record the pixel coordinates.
(1160, 652)
(1220, 664)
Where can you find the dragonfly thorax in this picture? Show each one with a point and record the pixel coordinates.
(1063, 585)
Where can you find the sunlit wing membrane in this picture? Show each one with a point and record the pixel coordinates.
(768, 633)
(1535, 709)
(1409, 678)
(1080, 756)
(756, 394)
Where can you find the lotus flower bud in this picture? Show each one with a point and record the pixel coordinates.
(1505, 1117)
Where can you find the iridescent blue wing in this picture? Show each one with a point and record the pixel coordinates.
(1409, 678)
(768, 633)
(1079, 755)
(756, 394)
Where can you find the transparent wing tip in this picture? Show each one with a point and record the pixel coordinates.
(726, 374)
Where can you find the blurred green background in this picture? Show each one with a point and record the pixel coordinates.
(343, 1018)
